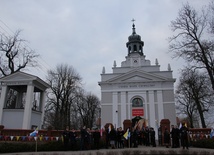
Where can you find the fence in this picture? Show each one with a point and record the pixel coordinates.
(43, 135)
(56, 135)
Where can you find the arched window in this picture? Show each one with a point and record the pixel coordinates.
(130, 49)
(137, 102)
(140, 47)
(135, 48)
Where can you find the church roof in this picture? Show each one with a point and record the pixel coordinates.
(137, 75)
(134, 36)
(19, 78)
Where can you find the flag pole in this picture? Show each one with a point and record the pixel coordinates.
(36, 144)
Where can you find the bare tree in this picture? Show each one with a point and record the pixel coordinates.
(14, 55)
(88, 109)
(185, 107)
(193, 39)
(64, 82)
(193, 95)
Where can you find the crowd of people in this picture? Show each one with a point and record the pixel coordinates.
(86, 139)
(114, 138)
(135, 136)
(131, 137)
(177, 136)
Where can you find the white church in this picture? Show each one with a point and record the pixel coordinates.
(137, 88)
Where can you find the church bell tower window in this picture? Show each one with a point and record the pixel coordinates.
(135, 48)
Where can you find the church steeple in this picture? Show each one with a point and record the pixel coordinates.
(134, 44)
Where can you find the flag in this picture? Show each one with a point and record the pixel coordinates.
(212, 133)
(140, 124)
(180, 125)
(34, 133)
(109, 128)
(127, 134)
(101, 132)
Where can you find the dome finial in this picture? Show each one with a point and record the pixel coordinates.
(133, 26)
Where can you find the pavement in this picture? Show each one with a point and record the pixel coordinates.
(138, 150)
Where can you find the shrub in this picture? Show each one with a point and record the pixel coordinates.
(203, 143)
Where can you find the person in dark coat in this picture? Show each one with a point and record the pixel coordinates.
(177, 137)
(134, 137)
(172, 133)
(82, 140)
(152, 135)
(87, 140)
(112, 137)
(96, 138)
(66, 137)
(184, 136)
(166, 135)
(120, 138)
(147, 136)
(106, 137)
(73, 139)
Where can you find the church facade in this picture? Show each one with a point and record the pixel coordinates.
(137, 88)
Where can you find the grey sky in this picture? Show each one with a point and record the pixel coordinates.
(91, 34)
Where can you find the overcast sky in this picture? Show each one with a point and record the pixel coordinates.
(90, 34)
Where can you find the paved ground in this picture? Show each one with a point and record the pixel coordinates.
(142, 149)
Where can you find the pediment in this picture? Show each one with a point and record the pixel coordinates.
(137, 76)
(19, 76)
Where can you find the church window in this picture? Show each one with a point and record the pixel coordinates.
(11, 99)
(140, 49)
(135, 48)
(137, 102)
(130, 49)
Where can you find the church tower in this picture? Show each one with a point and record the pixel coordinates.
(137, 88)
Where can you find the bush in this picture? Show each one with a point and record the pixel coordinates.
(203, 143)
(17, 146)
(8, 147)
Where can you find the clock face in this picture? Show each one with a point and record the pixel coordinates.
(135, 61)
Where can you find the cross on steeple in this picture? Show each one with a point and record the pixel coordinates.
(133, 20)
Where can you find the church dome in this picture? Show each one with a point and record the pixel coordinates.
(134, 44)
(134, 36)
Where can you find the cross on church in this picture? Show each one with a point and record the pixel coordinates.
(133, 20)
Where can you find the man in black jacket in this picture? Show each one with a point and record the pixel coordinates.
(96, 138)
(184, 136)
(152, 134)
(73, 139)
(66, 137)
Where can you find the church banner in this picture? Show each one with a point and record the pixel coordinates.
(138, 112)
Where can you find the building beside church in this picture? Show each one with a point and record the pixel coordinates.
(22, 101)
(137, 88)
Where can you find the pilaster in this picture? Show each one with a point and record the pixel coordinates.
(151, 109)
(28, 107)
(123, 107)
(42, 106)
(3, 100)
(160, 105)
(115, 109)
